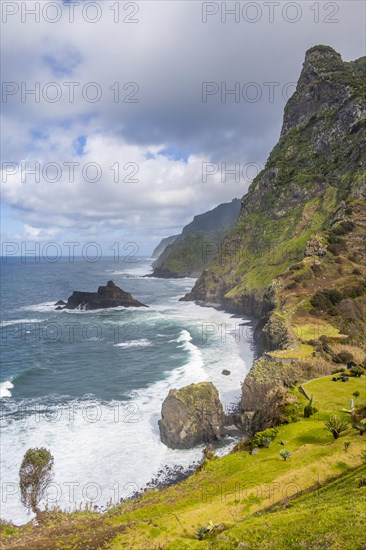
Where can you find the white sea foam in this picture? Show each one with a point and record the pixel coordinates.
(5, 388)
(107, 448)
(44, 307)
(18, 322)
(134, 344)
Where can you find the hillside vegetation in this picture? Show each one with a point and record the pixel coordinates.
(258, 499)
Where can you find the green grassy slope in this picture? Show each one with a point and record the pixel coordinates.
(228, 491)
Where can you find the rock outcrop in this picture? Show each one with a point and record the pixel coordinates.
(191, 416)
(106, 297)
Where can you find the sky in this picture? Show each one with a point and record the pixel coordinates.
(123, 120)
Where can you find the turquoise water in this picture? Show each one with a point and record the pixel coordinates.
(89, 385)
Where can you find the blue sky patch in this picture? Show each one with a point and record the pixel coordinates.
(79, 145)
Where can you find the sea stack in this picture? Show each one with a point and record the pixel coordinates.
(191, 416)
(108, 296)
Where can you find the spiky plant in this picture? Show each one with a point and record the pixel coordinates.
(285, 454)
(336, 425)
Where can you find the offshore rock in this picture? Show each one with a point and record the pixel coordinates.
(106, 297)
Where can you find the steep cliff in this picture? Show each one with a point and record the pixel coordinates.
(296, 258)
(190, 251)
(158, 250)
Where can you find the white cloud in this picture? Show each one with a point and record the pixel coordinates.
(168, 53)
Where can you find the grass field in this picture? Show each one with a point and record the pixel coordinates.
(229, 490)
(333, 397)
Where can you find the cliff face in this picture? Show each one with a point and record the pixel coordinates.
(300, 233)
(318, 162)
(162, 246)
(190, 251)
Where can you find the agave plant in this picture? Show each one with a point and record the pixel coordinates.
(336, 425)
(285, 454)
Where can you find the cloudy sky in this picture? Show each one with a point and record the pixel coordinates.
(117, 117)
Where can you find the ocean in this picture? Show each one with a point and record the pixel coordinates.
(89, 385)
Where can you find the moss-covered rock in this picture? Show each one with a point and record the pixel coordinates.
(192, 415)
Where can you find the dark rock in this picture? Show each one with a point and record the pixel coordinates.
(60, 303)
(58, 308)
(192, 415)
(226, 372)
(106, 297)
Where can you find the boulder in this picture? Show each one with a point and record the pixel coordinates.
(106, 297)
(191, 416)
(60, 303)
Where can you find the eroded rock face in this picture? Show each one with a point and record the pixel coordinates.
(192, 415)
(106, 297)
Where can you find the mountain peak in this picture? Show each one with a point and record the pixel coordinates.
(323, 85)
(320, 61)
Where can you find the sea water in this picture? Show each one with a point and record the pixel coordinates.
(89, 385)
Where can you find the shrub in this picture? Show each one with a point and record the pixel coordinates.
(266, 441)
(343, 228)
(345, 357)
(285, 454)
(356, 394)
(346, 446)
(360, 426)
(357, 371)
(35, 475)
(309, 409)
(336, 425)
(361, 482)
(264, 438)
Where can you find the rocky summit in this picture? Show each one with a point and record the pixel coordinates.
(106, 297)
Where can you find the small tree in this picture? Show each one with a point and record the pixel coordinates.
(336, 425)
(35, 475)
(309, 409)
(285, 454)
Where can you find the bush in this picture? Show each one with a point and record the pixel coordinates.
(345, 357)
(343, 228)
(309, 409)
(361, 482)
(360, 426)
(357, 371)
(285, 454)
(336, 425)
(264, 439)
